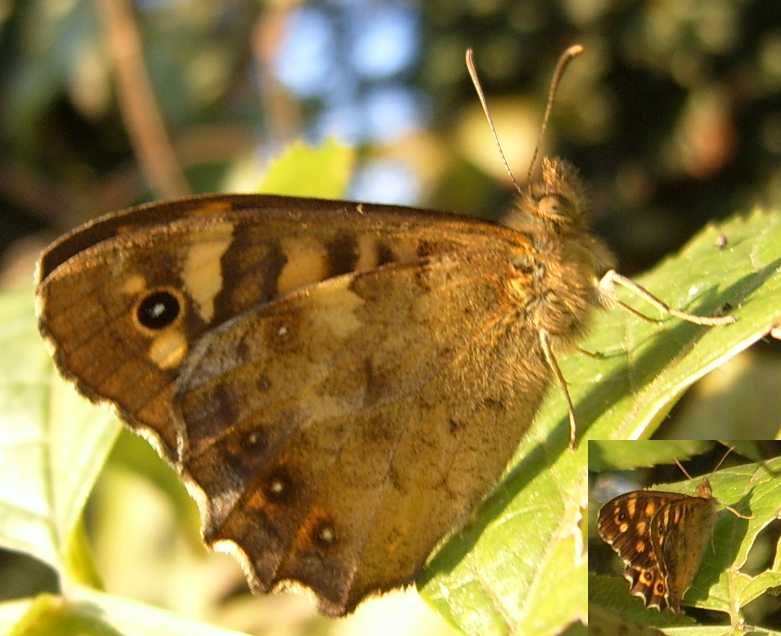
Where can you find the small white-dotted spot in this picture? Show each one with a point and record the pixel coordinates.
(253, 438)
(326, 534)
(277, 486)
(694, 290)
(282, 331)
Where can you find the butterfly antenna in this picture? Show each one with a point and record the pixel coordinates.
(570, 54)
(683, 470)
(470, 66)
(721, 461)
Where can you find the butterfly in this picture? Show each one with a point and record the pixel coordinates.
(339, 384)
(661, 537)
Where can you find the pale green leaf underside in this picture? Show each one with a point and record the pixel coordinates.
(131, 617)
(90, 613)
(495, 576)
(12, 612)
(53, 443)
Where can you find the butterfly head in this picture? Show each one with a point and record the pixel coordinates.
(704, 489)
(557, 198)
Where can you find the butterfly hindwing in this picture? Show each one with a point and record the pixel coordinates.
(679, 540)
(649, 584)
(349, 368)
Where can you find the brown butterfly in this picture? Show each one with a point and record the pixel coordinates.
(338, 383)
(661, 536)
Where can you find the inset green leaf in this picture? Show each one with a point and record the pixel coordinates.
(752, 490)
(615, 455)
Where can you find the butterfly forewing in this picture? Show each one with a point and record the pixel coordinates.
(625, 523)
(199, 262)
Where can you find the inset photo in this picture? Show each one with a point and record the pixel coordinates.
(684, 533)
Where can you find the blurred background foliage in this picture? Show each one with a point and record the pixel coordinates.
(673, 115)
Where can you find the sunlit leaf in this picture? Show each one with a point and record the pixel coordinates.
(53, 443)
(90, 613)
(303, 171)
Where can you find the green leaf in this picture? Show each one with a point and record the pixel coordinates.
(615, 455)
(610, 594)
(12, 612)
(50, 615)
(303, 171)
(647, 366)
(753, 489)
(494, 576)
(92, 613)
(53, 444)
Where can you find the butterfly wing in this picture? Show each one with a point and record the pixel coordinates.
(339, 383)
(124, 299)
(339, 432)
(649, 584)
(625, 524)
(681, 533)
(630, 524)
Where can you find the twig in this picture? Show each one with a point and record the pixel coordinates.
(137, 101)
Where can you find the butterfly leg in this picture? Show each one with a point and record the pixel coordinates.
(597, 355)
(612, 278)
(554, 366)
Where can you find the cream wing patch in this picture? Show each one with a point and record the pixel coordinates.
(168, 349)
(337, 305)
(133, 285)
(307, 263)
(202, 271)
